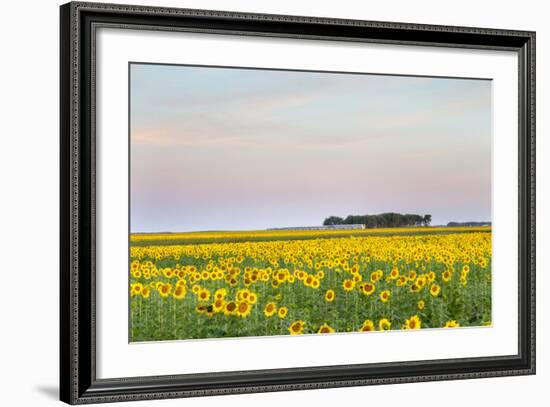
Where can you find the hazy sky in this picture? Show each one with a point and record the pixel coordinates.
(220, 149)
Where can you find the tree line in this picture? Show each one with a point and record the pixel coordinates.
(383, 220)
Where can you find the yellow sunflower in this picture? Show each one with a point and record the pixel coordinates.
(243, 309)
(315, 283)
(401, 281)
(446, 276)
(435, 290)
(431, 277)
(421, 281)
(270, 309)
(412, 323)
(165, 290)
(376, 275)
(348, 285)
(415, 288)
(145, 292)
(220, 293)
(243, 294)
(367, 326)
(204, 295)
(326, 329)
(180, 292)
(368, 288)
(329, 296)
(218, 305)
(280, 276)
(252, 298)
(296, 328)
(230, 308)
(283, 311)
(201, 309)
(136, 289)
(384, 324)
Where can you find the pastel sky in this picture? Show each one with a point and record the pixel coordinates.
(231, 149)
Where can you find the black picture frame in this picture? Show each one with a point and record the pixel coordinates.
(78, 382)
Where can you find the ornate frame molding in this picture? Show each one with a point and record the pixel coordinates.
(78, 380)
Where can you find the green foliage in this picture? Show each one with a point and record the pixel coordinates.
(383, 220)
(168, 318)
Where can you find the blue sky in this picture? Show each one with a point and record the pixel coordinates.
(228, 149)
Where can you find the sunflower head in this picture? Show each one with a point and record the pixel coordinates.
(243, 309)
(136, 289)
(145, 292)
(296, 328)
(367, 326)
(204, 295)
(446, 276)
(421, 281)
(180, 292)
(220, 293)
(270, 309)
(376, 275)
(401, 281)
(412, 323)
(368, 288)
(326, 329)
(218, 305)
(348, 285)
(252, 298)
(165, 290)
(435, 290)
(330, 295)
(315, 283)
(230, 308)
(384, 324)
(415, 288)
(282, 313)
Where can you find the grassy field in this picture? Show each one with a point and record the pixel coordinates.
(229, 284)
(145, 239)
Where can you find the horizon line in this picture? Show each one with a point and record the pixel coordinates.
(294, 227)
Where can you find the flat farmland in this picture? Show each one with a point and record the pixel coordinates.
(290, 282)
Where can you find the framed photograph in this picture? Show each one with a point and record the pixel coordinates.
(255, 203)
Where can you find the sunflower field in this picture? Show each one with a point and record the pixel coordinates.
(314, 284)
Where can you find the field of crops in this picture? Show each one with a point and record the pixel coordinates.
(145, 239)
(309, 284)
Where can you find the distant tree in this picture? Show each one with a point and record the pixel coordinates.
(388, 219)
(427, 220)
(333, 220)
